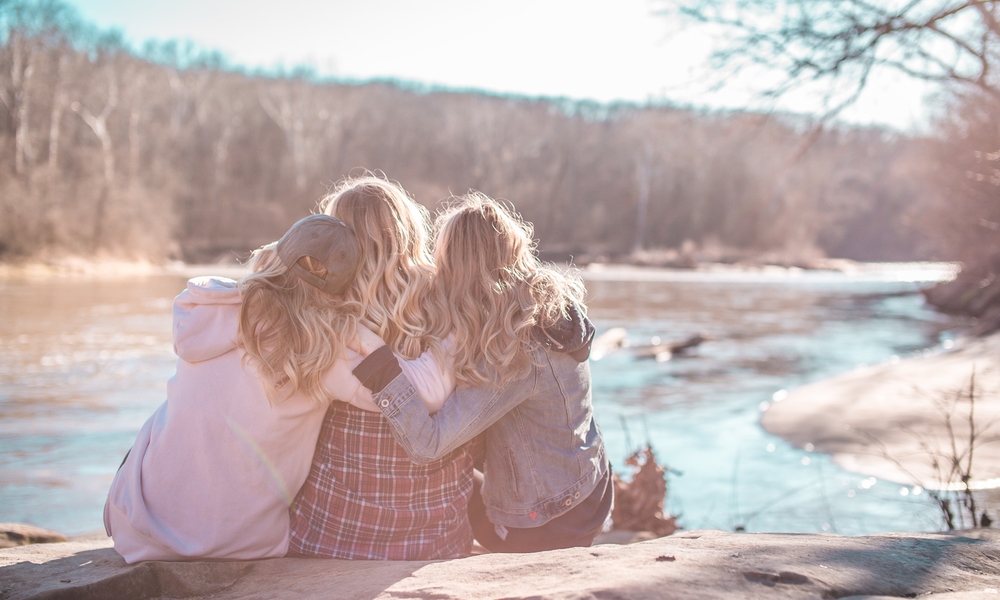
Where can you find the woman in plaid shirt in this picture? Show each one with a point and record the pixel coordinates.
(363, 497)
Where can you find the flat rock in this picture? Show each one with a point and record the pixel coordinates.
(896, 420)
(696, 564)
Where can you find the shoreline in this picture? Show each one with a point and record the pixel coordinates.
(904, 419)
(836, 270)
(73, 268)
(909, 271)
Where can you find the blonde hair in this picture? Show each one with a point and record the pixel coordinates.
(494, 290)
(396, 269)
(293, 331)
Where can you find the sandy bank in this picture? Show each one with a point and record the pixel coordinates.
(897, 420)
(697, 564)
(80, 268)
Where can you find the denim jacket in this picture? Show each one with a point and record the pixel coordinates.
(544, 452)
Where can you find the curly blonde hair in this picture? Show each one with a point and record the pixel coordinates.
(292, 331)
(493, 290)
(396, 270)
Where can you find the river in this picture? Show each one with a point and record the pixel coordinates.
(83, 363)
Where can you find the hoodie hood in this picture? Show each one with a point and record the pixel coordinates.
(571, 336)
(206, 317)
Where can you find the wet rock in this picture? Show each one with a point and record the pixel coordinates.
(974, 293)
(22, 534)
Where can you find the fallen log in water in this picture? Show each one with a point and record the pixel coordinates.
(606, 343)
(664, 352)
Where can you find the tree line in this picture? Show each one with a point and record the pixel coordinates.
(165, 152)
(840, 45)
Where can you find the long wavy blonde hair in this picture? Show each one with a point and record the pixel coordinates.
(292, 331)
(494, 290)
(396, 270)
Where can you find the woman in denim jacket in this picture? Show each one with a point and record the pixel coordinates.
(520, 342)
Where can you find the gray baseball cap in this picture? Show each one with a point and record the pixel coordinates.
(328, 240)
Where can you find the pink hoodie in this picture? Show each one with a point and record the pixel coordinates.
(213, 471)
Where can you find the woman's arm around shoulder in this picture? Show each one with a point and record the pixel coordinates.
(467, 412)
(432, 379)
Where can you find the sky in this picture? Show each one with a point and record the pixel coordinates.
(605, 50)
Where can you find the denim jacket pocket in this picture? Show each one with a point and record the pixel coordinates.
(508, 473)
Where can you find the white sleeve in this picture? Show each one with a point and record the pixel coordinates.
(342, 385)
(433, 382)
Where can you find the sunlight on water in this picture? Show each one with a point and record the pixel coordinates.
(909, 272)
(84, 364)
(701, 411)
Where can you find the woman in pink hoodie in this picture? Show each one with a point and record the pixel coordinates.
(213, 472)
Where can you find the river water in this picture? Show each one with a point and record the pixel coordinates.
(83, 363)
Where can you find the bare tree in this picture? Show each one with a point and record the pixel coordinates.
(643, 176)
(136, 110)
(168, 149)
(28, 29)
(841, 42)
(99, 125)
(290, 106)
(187, 86)
(59, 104)
(17, 99)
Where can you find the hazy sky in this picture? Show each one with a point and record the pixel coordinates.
(599, 49)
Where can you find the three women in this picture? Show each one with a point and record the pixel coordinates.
(511, 331)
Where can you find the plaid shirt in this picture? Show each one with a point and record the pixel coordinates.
(364, 499)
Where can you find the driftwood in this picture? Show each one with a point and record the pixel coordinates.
(663, 352)
(606, 343)
(639, 503)
(615, 339)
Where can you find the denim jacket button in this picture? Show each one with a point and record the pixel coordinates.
(384, 403)
(569, 502)
(576, 495)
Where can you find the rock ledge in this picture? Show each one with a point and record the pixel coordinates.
(696, 564)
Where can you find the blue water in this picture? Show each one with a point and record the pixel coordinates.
(701, 412)
(84, 363)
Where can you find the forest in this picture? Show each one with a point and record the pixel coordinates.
(167, 152)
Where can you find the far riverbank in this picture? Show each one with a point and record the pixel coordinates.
(634, 269)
